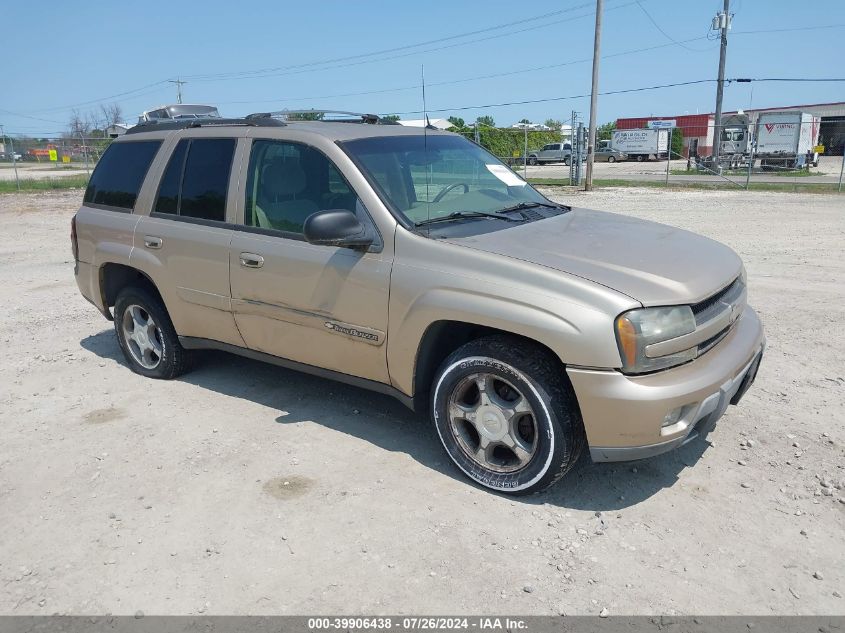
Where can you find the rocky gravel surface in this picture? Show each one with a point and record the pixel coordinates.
(244, 488)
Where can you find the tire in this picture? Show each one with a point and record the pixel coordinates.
(532, 160)
(611, 159)
(164, 358)
(566, 162)
(540, 416)
(640, 158)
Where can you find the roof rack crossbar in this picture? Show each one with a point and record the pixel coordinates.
(284, 115)
(149, 126)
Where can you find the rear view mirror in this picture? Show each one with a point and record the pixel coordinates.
(425, 158)
(336, 227)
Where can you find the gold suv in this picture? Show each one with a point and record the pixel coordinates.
(412, 262)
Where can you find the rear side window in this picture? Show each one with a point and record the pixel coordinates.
(120, 173)
(196, 180)
(168, 192)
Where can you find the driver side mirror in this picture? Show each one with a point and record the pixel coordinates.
(336, 227)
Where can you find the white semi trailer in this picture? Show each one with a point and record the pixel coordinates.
(787, 140)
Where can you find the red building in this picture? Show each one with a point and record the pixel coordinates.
(697, 129)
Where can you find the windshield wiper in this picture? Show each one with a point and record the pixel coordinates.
(530, 205)
(461, 215)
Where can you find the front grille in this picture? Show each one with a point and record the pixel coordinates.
(713, 305)
(713, 340)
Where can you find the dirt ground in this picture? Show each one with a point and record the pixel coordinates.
(244, 488)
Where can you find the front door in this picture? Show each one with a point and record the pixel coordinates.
(318, 305)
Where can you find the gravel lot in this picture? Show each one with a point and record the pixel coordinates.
(244, 488)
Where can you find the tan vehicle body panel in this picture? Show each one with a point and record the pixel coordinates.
(561, 281)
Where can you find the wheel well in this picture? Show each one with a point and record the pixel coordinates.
(116, 277)
(441, 339)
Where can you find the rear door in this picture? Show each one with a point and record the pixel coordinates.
(183, 244)
(105, 224)
(319, 305)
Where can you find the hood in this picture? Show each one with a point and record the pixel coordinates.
(650, 262)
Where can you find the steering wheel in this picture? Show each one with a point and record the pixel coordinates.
(449, 188)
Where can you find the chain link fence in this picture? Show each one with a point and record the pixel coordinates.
(548, 156)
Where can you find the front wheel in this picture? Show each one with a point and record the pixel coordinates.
(532, 160)
(611, 159)
(506, 415)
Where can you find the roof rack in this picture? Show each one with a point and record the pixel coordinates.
(150, 126)
(325, 116)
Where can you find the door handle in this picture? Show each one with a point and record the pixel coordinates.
(251, 260)
(150, 241)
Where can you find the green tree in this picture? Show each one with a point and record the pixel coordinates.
(390, 118)
(457, 121)
(677, 142)
(486, 121)
(306, 116)
(525, 121)
(552, 124)
(605, 132)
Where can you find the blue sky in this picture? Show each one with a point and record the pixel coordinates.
(63, 54)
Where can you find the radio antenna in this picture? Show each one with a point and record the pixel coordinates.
(425, 144)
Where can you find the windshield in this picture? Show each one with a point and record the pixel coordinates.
(424, 178)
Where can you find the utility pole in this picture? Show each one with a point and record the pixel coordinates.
(178, 83)
(525, 153)
(572, 146)
(591, 142)
(15, 162)
(722, 21)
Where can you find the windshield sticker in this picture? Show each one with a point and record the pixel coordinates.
(506, 176)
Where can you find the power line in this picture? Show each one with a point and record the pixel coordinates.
(461, 80)
(665, 34)
(791, 29)
(26, 116)
(819, 79)
(550, 99)
(394, 57)
(238, 75)
(139, 92)
(109, 98)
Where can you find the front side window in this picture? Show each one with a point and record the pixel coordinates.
(196, 181)
(119, 174)
(423, 177)
(287, 182)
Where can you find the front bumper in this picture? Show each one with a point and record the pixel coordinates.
(623, 415)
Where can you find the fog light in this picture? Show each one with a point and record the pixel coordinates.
(673, 417)
(681, 414)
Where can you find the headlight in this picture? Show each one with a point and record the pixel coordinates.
(638, 328)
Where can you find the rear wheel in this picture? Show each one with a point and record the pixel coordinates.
(146, 335)
(506, 415)
(532, 160)
(640, 158)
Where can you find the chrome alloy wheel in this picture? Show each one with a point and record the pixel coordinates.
(493, 423)
(142, 336)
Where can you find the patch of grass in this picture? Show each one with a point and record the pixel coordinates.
(789, 173)
(45, 184)
(714, 186)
